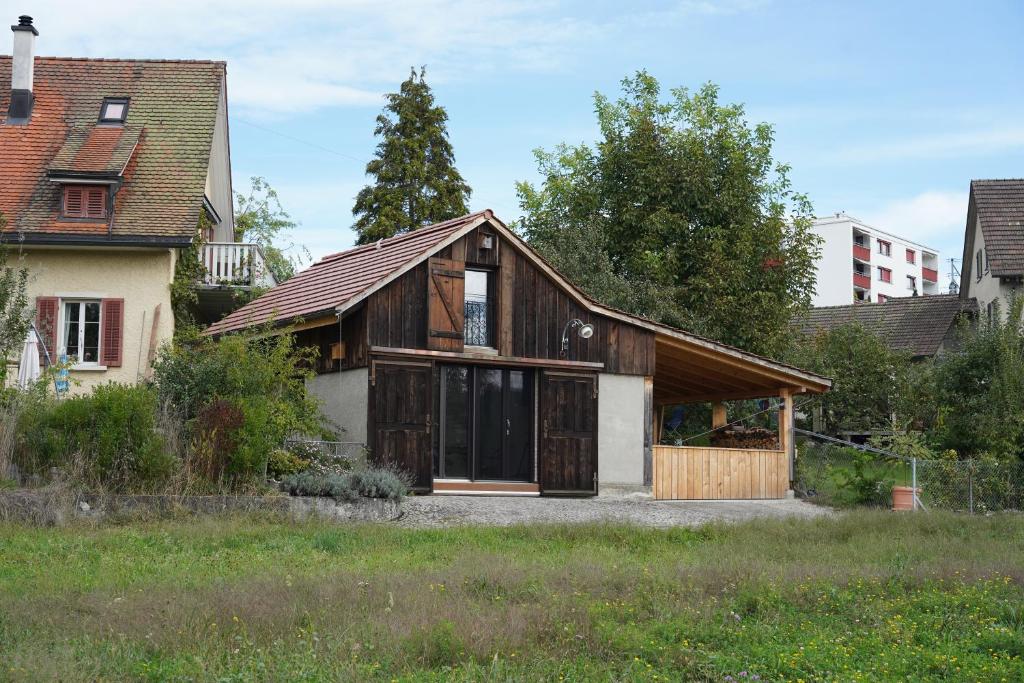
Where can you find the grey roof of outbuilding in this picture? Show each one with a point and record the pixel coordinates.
(999, 206)
(915, 324)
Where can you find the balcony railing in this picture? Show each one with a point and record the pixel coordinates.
(929, 275)
(861, 253)
(235, 265)
(862, 281)
(478, 323)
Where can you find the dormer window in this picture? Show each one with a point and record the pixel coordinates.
(85, 201)
(114, 110)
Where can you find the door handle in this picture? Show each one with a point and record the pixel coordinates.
(508, 426)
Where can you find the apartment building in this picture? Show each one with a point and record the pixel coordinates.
(861, 263)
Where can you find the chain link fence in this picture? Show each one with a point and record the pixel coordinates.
(840, 473)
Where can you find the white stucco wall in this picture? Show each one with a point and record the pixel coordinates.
(834, 269)
(141, 277)
(620, 433)
(344, 400)
(218, 175)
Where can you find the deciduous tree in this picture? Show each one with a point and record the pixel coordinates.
(678, 212)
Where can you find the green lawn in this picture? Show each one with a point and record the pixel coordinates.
(868, 596)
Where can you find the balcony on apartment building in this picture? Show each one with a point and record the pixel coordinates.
(228, 268)
(861, 253)
(929, 274)
(861, 281)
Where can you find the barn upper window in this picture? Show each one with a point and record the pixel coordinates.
(114, 110)
(478, 308)
(85, 201)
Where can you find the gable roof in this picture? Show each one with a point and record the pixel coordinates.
(339, 282)
(914, 324)
(161, 154)
(999, 206)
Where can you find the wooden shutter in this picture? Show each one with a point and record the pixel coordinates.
(96, 202)
(74, 201)
(446, 293)
(111, 332)
(46, 325)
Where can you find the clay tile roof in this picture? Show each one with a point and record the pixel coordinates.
(1000, 208)
(337, 279)
(169, 126)
(914, 324)
(99, 149)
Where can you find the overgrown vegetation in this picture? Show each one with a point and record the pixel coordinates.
(359, 483)
(867, 596)
(966, 403)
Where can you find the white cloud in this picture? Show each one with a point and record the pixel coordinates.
(319, 53)
(934, 218)
(992, 140)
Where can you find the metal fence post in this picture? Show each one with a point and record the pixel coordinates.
(970, 486)
(913, 482)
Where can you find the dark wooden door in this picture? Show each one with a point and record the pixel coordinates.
(568, 444)
(400, 419)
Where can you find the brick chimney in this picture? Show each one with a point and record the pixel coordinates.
(22, 68)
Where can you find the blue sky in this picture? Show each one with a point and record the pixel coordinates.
(884, 109)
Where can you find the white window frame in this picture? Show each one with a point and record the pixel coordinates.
(78, 363)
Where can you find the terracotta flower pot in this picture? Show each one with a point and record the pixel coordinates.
(903, 497)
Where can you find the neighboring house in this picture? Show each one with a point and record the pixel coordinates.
(993, 267)
(457, 353)
(862, 263)
(106, 166)
(922, 326)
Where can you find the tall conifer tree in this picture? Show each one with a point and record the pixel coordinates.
(415, 179)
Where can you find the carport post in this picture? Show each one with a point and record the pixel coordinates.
(787, 437)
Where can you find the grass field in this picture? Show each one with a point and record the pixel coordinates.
(867, 596)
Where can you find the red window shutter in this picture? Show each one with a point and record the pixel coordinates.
(74, 201)
(96, 202)
(46, 324)
(111, 332)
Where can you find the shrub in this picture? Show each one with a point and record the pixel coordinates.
(283, 463)
(320, 461)
(261, 377)
(108, 438)
(370, 482)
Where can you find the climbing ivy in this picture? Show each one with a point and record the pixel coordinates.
(188, 270)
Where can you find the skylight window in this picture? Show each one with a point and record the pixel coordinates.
(114, 110)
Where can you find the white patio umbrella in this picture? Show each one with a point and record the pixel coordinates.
(28, 368)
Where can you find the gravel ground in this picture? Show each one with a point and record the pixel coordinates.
(443, 511)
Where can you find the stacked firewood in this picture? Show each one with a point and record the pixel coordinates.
(736, 436)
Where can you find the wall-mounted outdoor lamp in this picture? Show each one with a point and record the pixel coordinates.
(586, 331)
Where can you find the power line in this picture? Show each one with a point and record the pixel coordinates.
(300, 140)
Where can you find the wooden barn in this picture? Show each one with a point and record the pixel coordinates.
(456, 352)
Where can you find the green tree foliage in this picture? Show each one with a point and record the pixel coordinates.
(680, 213)
(15, 314)
(415, 179)
(971, 400)
(867, 377)
(260, 219)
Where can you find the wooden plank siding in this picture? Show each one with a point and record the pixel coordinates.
(698, 473)
(353, 334)
(532, 312)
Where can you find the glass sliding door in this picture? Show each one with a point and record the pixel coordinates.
(486, 424)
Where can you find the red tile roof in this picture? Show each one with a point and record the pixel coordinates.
(169, 126)
(336, 279)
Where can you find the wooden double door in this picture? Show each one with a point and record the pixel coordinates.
(485, 423)
(479, 423)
